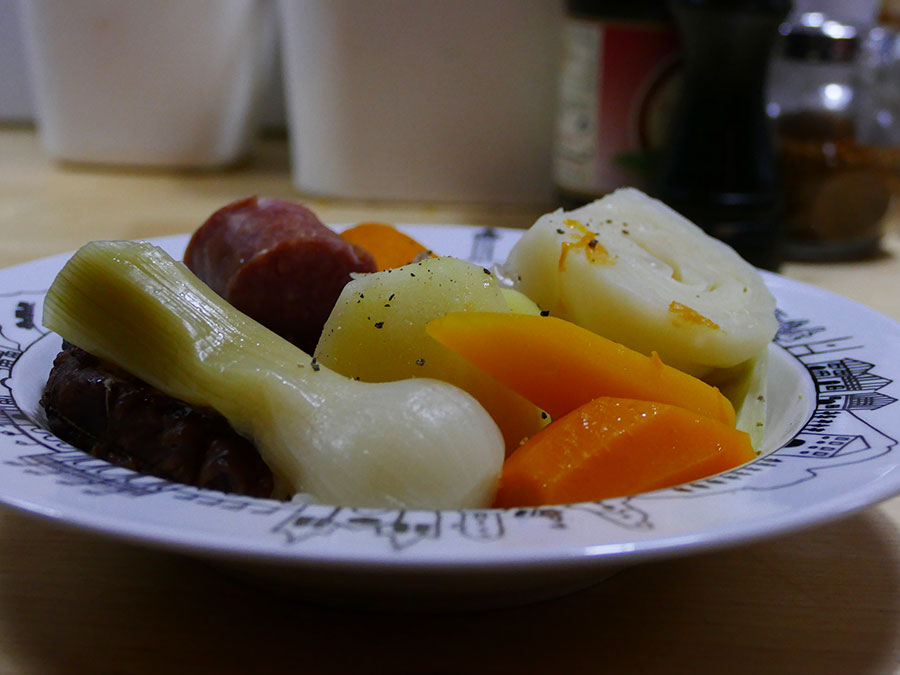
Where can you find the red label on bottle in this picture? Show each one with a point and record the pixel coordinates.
(617, 88)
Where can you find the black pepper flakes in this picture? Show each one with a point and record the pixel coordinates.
(379, 324)
(593, 243)
(420, 362)
(544, 415)
(485, 270)
(315, 364)
(559, 230)
(391, 297)
(545, 312)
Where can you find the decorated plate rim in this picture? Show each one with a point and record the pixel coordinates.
(839, 457)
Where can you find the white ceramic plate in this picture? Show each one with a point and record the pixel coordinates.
(830, 449)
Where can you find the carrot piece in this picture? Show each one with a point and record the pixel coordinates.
(613, 447)
(389, 246)
(559, 366)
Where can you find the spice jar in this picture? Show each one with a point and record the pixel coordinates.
(878, 112)
(835, 193)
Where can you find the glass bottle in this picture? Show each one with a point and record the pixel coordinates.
(617, 81)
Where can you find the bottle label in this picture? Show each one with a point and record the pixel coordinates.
(617, 87)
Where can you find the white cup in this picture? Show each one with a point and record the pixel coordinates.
(171, 83)
(416, 99)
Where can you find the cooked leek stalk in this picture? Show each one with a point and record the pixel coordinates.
(745, 386)
(414, 443)
(633, 270)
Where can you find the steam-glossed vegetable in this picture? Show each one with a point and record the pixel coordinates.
(412, 443)
(377, 333)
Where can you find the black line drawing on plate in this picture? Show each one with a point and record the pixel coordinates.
(849, 390)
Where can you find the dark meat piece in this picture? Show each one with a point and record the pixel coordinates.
(101, 409)
(275, 261)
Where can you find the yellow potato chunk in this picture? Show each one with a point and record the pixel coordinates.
(376, 333)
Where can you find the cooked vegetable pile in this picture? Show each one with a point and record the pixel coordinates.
(617, 350)
(417, 443)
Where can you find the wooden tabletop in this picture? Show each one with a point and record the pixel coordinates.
(826, 600)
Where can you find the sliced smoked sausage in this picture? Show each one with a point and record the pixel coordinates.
(278, 263)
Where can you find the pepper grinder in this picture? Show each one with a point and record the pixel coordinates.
(718, 167)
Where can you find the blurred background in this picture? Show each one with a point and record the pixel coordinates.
(772, 124)
(136, 119)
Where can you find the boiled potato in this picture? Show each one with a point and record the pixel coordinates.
(376, 332)
(520, 303)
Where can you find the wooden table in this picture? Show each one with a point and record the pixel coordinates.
(826, 600)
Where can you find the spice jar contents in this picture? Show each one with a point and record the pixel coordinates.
(835, 179)
(836, 193)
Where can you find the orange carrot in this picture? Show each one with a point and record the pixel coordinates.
(559, 366)
(389, 246)
(612, 447)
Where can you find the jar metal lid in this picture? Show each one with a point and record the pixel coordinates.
(813, 37)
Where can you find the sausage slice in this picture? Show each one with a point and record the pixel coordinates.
(278, 263)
